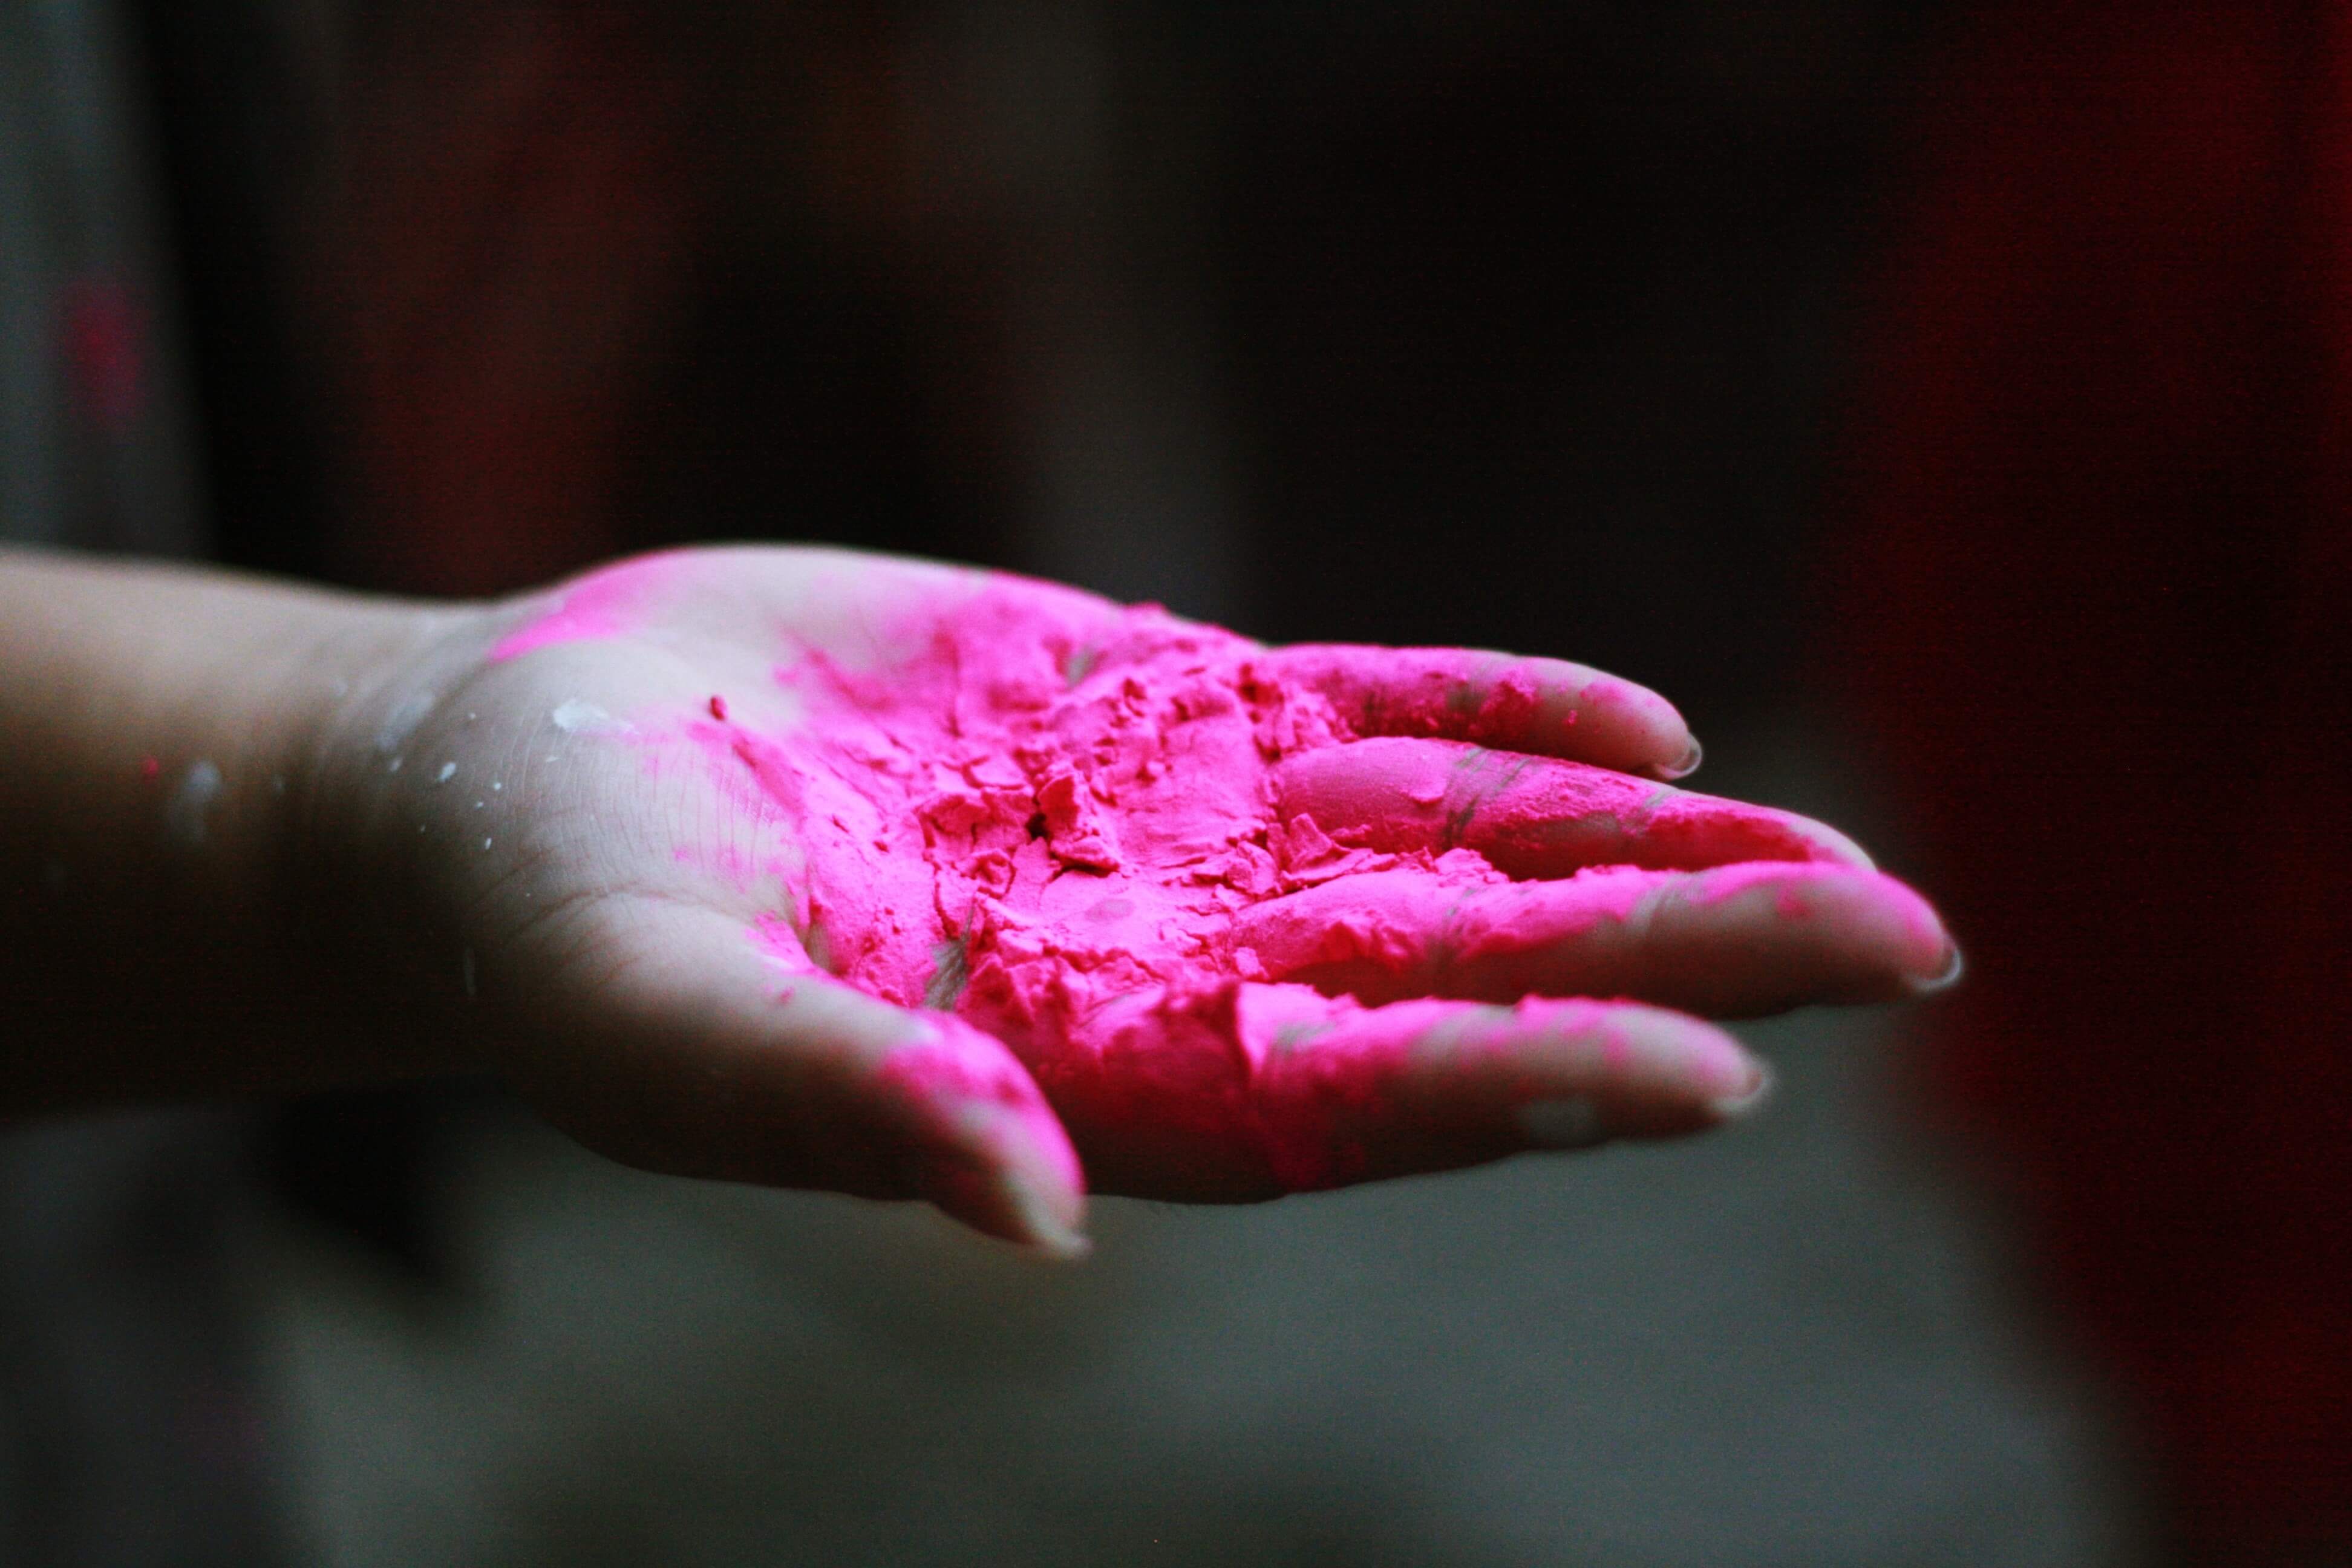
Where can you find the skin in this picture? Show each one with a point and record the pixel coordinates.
(608, 843)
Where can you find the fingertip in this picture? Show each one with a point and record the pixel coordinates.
(992, 1154)
(1645, 1071)
(1694, 1057)
(1044, 1185)
(1053, 1223)
(1924, 955)
(1949, 976)
(1631, 729)
(1011, 1204)
(1688, 765)
(1749, 1101)
(1004, 1165)
(1638, 1072)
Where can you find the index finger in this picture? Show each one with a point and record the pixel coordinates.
(1543, 707)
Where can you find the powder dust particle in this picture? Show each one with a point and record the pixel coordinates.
(578, 717)
(403, 722)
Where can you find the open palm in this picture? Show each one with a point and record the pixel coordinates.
(844, 871)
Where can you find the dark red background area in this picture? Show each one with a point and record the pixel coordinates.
(2096, 602)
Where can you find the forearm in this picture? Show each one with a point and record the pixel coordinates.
(161, 731)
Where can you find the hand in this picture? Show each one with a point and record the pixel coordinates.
(841, 871)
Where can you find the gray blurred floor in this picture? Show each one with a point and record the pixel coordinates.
(1791, 1344)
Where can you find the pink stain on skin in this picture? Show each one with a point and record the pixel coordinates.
(1606, 930)
(1488, 698)
(951, 1070)
(960, 1067)
(1158, 862)
(604, 603)
(1532, 816)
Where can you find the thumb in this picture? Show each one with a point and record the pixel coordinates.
(683, 1040)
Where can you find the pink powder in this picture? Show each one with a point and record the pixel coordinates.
(1125, 845)
(604, 604)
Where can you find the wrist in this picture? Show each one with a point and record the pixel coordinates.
(350, 878)
(161, 822)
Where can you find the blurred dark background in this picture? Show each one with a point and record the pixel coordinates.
(1937, 400)
(1465, 324)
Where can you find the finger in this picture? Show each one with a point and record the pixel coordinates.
(716, 1050)
(1737, 941)
(1317, 1092)
(1534, 816)
(1540, 706)
(1426, 1086)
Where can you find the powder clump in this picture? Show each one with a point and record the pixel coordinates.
(1095, 807)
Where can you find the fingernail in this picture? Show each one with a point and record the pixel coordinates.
(1006, 1204)
(1570, 1124)
(1048, 1232)
(1945, 978)
(1747, 1102)
(1689, 764)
